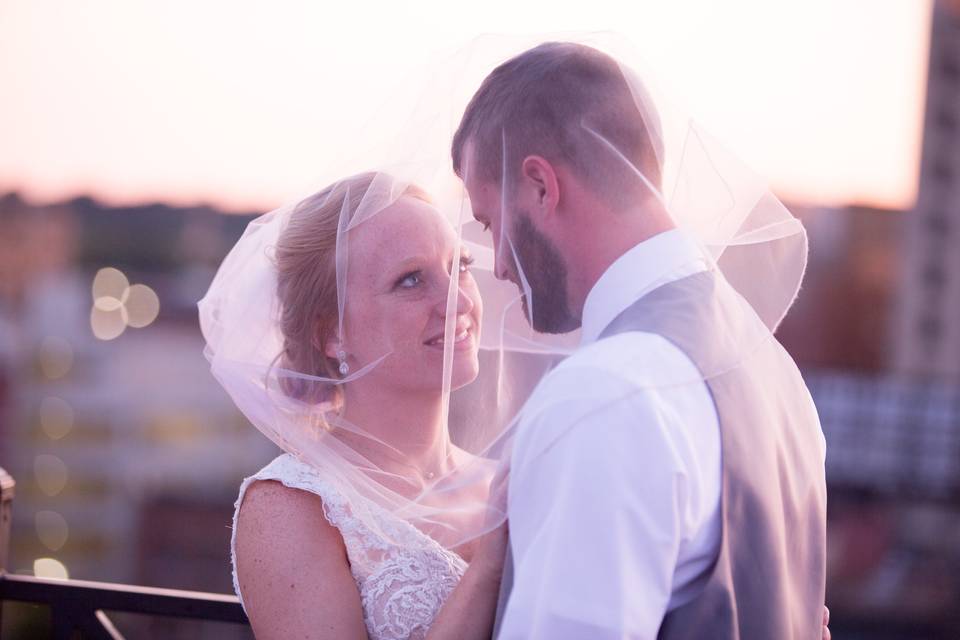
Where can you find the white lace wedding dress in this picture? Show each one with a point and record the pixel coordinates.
(402, 586)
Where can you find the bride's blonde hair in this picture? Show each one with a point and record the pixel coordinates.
(305, 259)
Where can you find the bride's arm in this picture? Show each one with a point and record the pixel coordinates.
(469, 611)
(292, 567)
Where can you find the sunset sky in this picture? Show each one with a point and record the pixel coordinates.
(235, 103)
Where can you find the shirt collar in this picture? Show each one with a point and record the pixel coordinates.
(665, 257)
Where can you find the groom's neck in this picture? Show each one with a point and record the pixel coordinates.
(597, 239)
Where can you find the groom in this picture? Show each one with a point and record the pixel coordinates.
(667, 478)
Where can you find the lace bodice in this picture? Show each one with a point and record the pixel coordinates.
(403, 580)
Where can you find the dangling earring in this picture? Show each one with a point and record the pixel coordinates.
(344, 367)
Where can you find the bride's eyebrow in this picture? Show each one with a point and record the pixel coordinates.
(416, 261)
(410, 263)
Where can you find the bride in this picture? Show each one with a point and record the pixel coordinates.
(339, 326)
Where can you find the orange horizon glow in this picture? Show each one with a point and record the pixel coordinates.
(232, 106)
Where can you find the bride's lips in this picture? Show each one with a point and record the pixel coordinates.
(462, 340)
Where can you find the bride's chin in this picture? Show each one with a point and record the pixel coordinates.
(459, 383)
(464, 372)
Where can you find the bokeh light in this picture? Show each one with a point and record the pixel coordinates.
(51, 473)
(109, 283)
(50, 568)
(108, 325)
(56, 417)
(52, 529)
(56, 357)
(117, 304)
(142, 305)
(107, 303)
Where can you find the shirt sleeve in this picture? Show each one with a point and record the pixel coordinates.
(599, 508)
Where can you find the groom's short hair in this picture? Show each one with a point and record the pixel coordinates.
(540, 102)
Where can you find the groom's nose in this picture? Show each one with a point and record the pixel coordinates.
(500, 269)
(503, 263)
(504, 271)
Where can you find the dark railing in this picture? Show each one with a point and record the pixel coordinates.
(78, 606)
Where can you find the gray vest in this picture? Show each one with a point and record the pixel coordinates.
(770, 575)
(769, 578)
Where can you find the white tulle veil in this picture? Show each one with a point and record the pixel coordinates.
(660, 156)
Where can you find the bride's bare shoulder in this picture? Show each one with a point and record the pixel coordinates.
(292, 567)
(273, 512)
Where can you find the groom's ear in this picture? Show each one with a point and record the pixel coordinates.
(542, 179)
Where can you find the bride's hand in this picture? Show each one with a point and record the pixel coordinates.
(491, 548)
(470, 610)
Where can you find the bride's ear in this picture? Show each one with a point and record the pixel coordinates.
(331, 346)
(332, 349)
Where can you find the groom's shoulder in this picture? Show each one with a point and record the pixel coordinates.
(633, 358)
(621, 376)
(619, 366)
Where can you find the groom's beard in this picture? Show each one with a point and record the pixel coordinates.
(546, 273)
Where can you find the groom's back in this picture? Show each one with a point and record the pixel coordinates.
(769, 578)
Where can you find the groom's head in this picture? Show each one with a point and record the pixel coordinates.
(556, 149)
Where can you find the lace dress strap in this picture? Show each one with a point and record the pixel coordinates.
(294, 474)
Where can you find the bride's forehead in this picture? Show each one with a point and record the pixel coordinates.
(407, 226)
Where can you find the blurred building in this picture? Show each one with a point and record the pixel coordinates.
(117, 444)
(927, 334)
(843, 316)
(876, 333)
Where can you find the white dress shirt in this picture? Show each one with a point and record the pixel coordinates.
(614, 498)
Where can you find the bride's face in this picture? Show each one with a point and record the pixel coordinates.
(398, 280)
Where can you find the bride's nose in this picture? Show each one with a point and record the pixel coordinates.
(463, 304)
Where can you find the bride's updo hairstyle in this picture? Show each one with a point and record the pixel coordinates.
(305, 259)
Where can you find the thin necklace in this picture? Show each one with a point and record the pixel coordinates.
(426, 475)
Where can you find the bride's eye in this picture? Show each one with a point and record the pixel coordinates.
(409, 281)
(465, 262)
